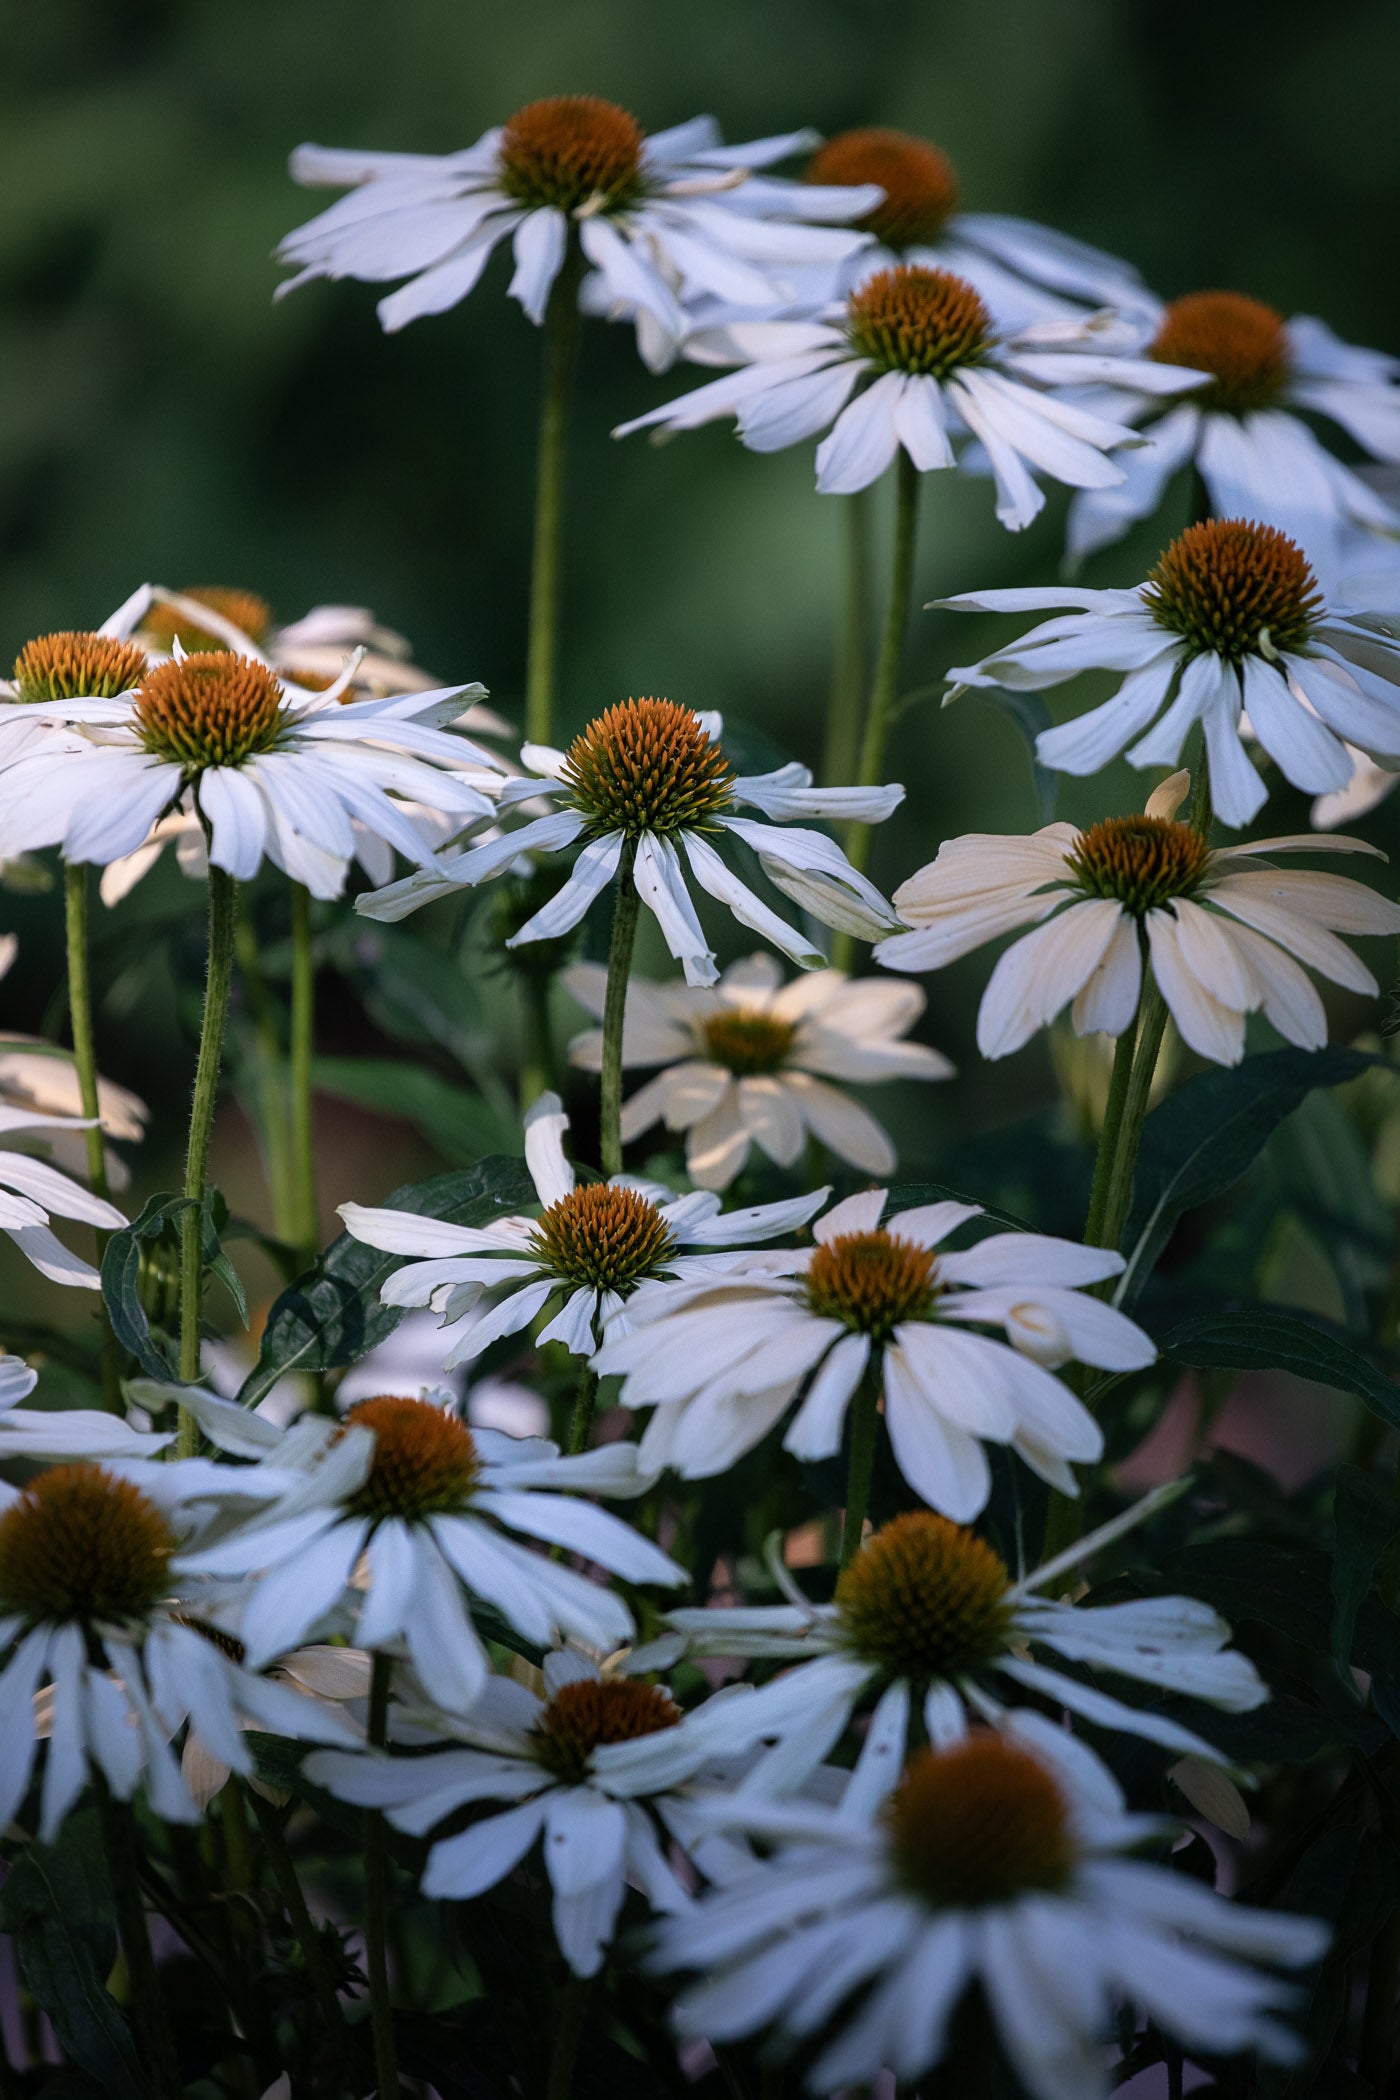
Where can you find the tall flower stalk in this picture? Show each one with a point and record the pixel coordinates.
(223, 923)
(626, 907)
(305, 1216)
(556, 378)
(849, 668)
(85, 1063)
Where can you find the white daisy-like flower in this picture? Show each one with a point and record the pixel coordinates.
(1243, 428)
(553, 1757)
(101, 1666)
(912, 359)
(36, 1075)
(592, 1246)
(336, 1678)
(662, 218)
(1225, 931)
(721, 1360)
(1025, 272)
(1230, 624)
(928, 1635)
(642, 782)
(31, 1191)
(749, 1062)
(987, 1868)
(402, 1516)
(307, 650)
(274, 772)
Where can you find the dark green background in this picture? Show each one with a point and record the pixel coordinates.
(159, 417)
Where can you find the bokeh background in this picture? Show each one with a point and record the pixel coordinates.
(159, 417)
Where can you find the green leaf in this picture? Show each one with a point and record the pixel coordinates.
(455, 1121)
(332, 1315)
(1203, 1138)
(413, 990)
(121, 1274)
(1367, 1515)
(57, 1905)
(911, 1195)
(1269, 1338)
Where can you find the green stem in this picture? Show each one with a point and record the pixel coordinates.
(573, 2013)
(560, 339)
(624, 934)
(852, 644)
(269, 1085)
(313, 1952)
(581, 1420)
(118, 1839)
(1110, 1133)
(85, 1063)
(884, 691)
(864, 1430)
(223, 921)
(306, 1226)
(537, 1065)
(1152, 1022)
(386, 2063)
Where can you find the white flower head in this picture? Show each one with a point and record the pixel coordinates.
(403, 1517)
(722, 1361)
(662, 218)
(644, 783)
(1244, 431)
(750, 1062)
(912, 359)
(1226, 932)
(593, 1245)
(38, 1076)
(989, 1866)
(101, 1665)
(273, 771)
(1229, 626)
(32, 1191)
(599, 1828)
(928, 1632)
(1024, 272)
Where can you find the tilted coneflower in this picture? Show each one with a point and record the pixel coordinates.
(270, 773)
(401, 1517)
(988, 1868)
(928, 1635)
(592, 1246)
(663, 218)
(1230, 623)
(1247, 429)
(751, 1061)
(599, 1829)
(1225, 931)
(90, 1618)
(881, 1309)
(644, 783)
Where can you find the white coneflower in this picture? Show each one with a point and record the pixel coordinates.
(912, 360)
(31, 1191)
(662, 217)
(750, 1062)
(1225, 931)
(1229, 623)
(273, 772)
(1244, 431)
(644, 782)
(592, 1246)
(984, 1870)
(723, 1360)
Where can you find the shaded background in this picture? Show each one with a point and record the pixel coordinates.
(160, 418)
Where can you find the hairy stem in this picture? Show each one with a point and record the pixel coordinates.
(624, 935)
(85, 1063)
(884, 690)
(223, 921)
(581, 1420)
(560, 338)
(268, 1103)
(386, 2062)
